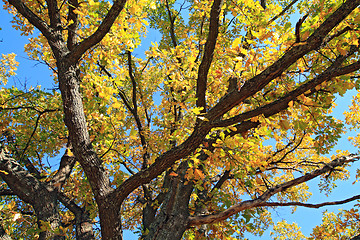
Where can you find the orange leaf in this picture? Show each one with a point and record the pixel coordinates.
(173, 174)
(198, 174)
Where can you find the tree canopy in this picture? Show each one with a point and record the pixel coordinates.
(225, 118)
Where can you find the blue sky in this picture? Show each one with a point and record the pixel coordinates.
(33, 73)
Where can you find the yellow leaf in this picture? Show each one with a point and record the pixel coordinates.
(69, 153)
(243, 51)
(116, 105)
(291, 104)
(236, 43)
(108, 111)
(232, 128)
(254, 119)
(197, 110)
(132, 20)
(132, 10)
(78, 12)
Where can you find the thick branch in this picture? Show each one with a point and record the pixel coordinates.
(100, 32)
(262, 200)
(232, 99)
(21, 182)
(67, 163)
(32, 17)
(54, 14)
(275, 70)
(72, 16)
(334, 70)
(208, 54)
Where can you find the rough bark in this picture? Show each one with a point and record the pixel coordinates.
(3, 235)
(109, 208)
(83, 222)
(32, 191)
(172, 220)
(173, 217)
(201, 83)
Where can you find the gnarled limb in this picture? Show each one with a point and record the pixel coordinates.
(32, 191)
(67, 163)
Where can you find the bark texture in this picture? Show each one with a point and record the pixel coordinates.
(171, 218)
(3, 235)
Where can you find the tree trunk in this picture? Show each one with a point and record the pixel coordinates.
(110, 219)
(46, 210)
(84, 228)
(109, 207)
(172, 221)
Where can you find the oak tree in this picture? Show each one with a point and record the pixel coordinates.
(225, 118)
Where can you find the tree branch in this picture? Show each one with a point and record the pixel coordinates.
(67, 163)
(208, 54)
(309, 205)
(334, 70)
(32, 17)
(297, 28)
(226, 175)
(83, 222)
(283, 11)
(18, 179)
(232, 99)
(275, 70)
(136, 114)
(100, 32)
(72, 16)
(261, 200)
(172, 20)
(54, 14)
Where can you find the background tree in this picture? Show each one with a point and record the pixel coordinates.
(225, 118)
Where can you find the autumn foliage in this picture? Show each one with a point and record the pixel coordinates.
(224, 118)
